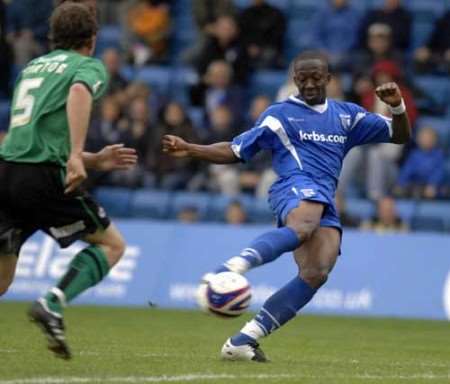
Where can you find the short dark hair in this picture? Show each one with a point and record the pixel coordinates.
(91, 4)
(72, 26)
(311, 55)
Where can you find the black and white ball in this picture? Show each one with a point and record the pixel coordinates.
(227, 294)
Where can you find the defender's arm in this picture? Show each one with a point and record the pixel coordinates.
(79, 106)
(401, 128)
(218, 153)
(110, 158)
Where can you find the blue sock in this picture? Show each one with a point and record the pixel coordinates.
(266, 248)
(278, 309)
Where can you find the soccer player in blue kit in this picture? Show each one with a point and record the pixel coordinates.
(308, 136)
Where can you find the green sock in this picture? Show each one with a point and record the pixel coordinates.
(87, 268)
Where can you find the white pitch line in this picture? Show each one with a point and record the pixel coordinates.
(214, 377)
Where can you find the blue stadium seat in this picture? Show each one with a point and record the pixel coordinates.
(197, 115)
(158, 77)
(441, 125)
(436, 7)
(182, 79)
(431, 215)
(259, 211)
(406, 209)
(437, 88)
(361, 208)
(109, 36)
(200, 201)
(151, 204)
(116, 201)
(267, 82)
(4, 115)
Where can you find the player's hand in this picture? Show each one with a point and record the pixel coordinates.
(175, 146)
(76, 173)
(390, 94)
(116, 157)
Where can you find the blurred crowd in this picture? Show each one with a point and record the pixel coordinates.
(368, 47)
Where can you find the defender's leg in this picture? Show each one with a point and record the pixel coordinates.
(8, 264)
(88, 268)
(315, 259)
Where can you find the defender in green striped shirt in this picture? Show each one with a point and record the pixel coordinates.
(43, 163)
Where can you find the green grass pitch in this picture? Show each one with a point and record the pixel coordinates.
(120, 345)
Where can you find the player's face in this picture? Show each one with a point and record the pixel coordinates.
(311, 78)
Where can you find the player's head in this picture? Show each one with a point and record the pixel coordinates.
(311, 77)
(73, 27)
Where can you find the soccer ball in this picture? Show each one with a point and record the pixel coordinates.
(225, 294)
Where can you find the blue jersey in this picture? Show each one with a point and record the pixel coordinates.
(309, 143)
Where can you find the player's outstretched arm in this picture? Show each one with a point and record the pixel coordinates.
(218, 153)
(111, 158)
(391, 95)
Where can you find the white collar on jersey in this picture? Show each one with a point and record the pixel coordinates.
(321, 108)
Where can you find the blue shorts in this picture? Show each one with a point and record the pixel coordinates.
(286, 194)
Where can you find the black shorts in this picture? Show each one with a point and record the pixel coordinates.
(32, 198)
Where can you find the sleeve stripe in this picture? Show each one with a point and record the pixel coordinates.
(85, 84)
(276, 127)
(388, 122)
(236, 148)
(359, 116)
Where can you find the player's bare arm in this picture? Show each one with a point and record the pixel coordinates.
(218, 153)
(79, 106)
(110, 158)
(391, 95)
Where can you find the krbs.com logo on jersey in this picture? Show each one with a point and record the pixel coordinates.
(42, 263)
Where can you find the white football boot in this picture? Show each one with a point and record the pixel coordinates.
(246, 352)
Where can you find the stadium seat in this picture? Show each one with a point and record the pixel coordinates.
(436, 88)
(361, 208)
(259, 211)
(441, 125)
(219, 204)
(151, 204)
(181, 200)
(181, 80)
(109, 36)
(4, 115)
(116, 201)
(267, 83)
(406, 209)
(432, 215)
(158, 77)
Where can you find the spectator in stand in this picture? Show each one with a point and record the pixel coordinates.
(217, 89)
(27, 28)
(135, 132)
(422, 174)
(105, 128)
(396, 17)
(386, 219)
(205, 13)
(435, 55)
(381, 159)
(235, 214)
(263, 29)
(112, 60)
(335, 31)
(169, 172)
(257, 177)
(222, 178)
(6, 56)
(379, 47)
(188, 215)
(148, 29)
(224, 44)
(346, 219)
(288, 88)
